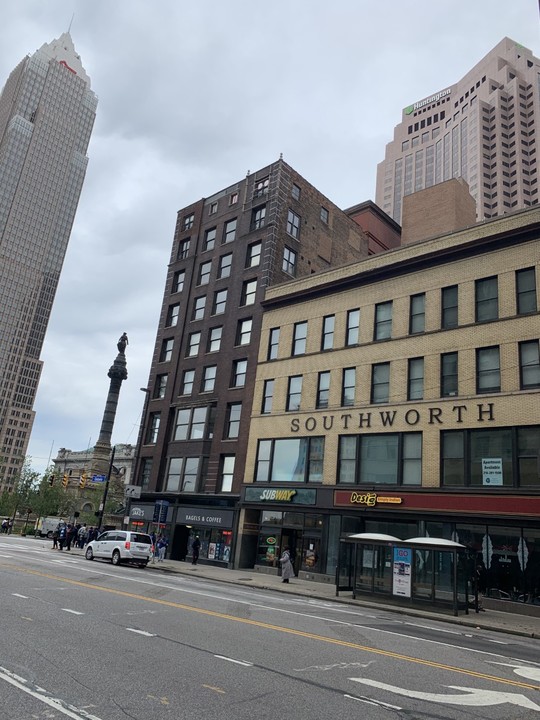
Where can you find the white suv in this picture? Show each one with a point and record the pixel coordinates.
(121, 546)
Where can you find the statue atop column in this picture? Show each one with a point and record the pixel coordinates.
(122, 343)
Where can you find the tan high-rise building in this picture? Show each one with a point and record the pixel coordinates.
(47, 112)
(482, 129)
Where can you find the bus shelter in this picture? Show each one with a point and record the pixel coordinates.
(419, 571)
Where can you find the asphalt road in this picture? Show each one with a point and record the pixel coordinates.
(89, 641)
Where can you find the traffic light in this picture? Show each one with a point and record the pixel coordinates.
(50, 480)
(82, 481)
(65, 480)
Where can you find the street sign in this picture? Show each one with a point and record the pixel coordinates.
(160, 511)
(99, 478)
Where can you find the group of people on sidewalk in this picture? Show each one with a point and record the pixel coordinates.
(67, 534)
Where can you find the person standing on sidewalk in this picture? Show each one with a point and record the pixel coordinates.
(195, 549)
(287, 570)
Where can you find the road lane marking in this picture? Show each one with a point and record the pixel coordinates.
(25, 597)
(40, 694)
(73, 612)
(215, 689)
(372, 701)
(281, 629)
(237, 662)
(141, 632)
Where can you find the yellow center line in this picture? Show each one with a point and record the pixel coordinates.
(277, 628)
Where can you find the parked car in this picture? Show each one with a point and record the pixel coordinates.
(121, 546)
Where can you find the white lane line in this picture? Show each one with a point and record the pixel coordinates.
(428, 627)
(141, 632)
(237, 662)
(7, 556)
(498, 642)
(371, 701)
(21, 596)
(40, 694)
(73, 612)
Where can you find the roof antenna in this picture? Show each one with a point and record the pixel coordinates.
(70, 22)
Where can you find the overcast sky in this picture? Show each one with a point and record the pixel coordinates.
(192, 95)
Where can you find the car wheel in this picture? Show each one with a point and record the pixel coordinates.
(115, 558)
(89, 555)
(49, 534)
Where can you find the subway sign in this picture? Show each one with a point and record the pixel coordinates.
(288, 496)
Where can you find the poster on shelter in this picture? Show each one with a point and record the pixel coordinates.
(402, 571)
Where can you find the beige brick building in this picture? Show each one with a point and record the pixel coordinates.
(401, 394)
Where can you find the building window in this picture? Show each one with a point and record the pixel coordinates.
(253, 255)
(294, 393)
(153, 428)
(415, 379)
(172, 315)
(227, 473)
(348, 387)
(526, 291)
(513, 452)
(324, 215)
(146, 472)
(224, 268)
(417, 314)
(298, 460)
(383, 321)
(183, 249)
(385, 459)
(214, 339)
(204, 273)
(327, 338)
(166, 350)
(273, 344)
(295, 192)
(198, 308)
(220, 301)
(258, 215)
(289, 261)
(243, 333)
(182, 474)
(293, 224)
(261, 187)
(232, 428)
(353, 327)
(193, 344)
(529, 365)
(233, 198)
(249, 291)
(323, 390)
(239, 373)
(449, 307)
(209, 378)
(486, 299)
(209, 239)
(187, 382)
(299, 338)
(190, 423)
(188, 221)
(213, 208)
(161, 386)
(488, 370)
(229, 231)
(449, 374)
(178, 281)
(268, 396)
(380, 382)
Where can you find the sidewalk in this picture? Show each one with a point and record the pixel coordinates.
(507, 622)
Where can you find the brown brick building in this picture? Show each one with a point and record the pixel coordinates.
(403, 397)
(267, 229)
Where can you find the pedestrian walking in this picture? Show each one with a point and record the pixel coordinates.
(287, 570)
(195, 549)
(62, 535)
(81, 536)
(55, 539)
(161, 548)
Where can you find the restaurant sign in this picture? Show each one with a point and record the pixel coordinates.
(289, 496)
(369, 499)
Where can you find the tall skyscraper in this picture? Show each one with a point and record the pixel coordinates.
(47, 112)
(483, 129)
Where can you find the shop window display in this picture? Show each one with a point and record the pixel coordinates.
(215, 543)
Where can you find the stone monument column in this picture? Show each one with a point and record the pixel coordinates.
(117, 372)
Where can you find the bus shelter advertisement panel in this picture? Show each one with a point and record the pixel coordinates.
(402, 571)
